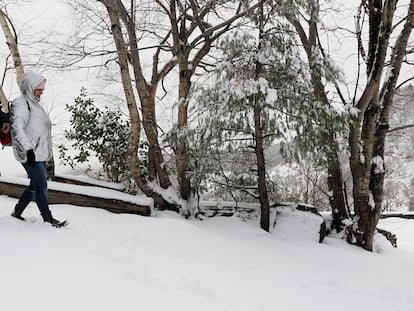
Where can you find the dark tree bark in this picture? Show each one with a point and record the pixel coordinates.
(335, 178)
(386, 102)
(369, 128)
(258, 138)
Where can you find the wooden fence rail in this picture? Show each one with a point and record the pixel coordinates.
(85, 197)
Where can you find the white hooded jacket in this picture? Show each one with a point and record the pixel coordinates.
(30, 124)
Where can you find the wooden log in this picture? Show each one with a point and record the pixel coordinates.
(65, 197)
(408, 215)
(72, 181)
(226, 209)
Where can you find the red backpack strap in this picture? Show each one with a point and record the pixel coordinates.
(5, 139)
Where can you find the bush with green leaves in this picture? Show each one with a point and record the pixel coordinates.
(100, 133)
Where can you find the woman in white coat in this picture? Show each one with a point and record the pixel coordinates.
(32, 144)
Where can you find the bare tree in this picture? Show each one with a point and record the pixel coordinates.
(127, 52)
(189, 39)
(192, 38)
(369, 127)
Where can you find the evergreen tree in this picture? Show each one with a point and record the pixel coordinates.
(289, 113)
(100, 133)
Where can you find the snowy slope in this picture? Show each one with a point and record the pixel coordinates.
(105, 261)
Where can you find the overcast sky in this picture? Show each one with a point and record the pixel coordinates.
(36, 18)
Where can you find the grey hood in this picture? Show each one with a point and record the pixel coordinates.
(29, 83)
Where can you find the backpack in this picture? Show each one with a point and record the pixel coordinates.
(5, 139)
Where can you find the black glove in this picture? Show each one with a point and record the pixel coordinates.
(31, 159)
(4, 116)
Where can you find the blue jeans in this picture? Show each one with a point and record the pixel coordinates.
(37, 188)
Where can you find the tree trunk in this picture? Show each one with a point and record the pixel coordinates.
(181, 152)
(337, 199)
(128, 53)
(259, 142)
(363, 130)
(147, 95)
(335, 179)
(387, 100)
(132, 154)
(182, 49)
(14, 50)
(261, 170)
(149, 123)
(186, 68)
(12, 44)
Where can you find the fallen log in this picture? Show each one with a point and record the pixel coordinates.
(408, 215)
(72, 181)
(59, 193)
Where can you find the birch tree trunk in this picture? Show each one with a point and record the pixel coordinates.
(147, 92)
(11, 41)
(127, 51)
(134, 137)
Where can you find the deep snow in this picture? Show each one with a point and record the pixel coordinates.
(104, 261)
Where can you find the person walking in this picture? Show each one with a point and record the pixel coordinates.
(32, 144)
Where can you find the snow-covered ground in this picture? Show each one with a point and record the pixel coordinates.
(104, 261)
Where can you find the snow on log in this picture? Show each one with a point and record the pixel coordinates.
(406, 215)
(91, 196)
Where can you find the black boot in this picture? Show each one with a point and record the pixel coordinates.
(47, 217)
(17, 213)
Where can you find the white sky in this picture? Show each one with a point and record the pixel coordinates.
(37, 17)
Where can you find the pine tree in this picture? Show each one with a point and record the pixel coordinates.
(259, 76)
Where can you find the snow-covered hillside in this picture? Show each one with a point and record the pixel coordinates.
(105, 261)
